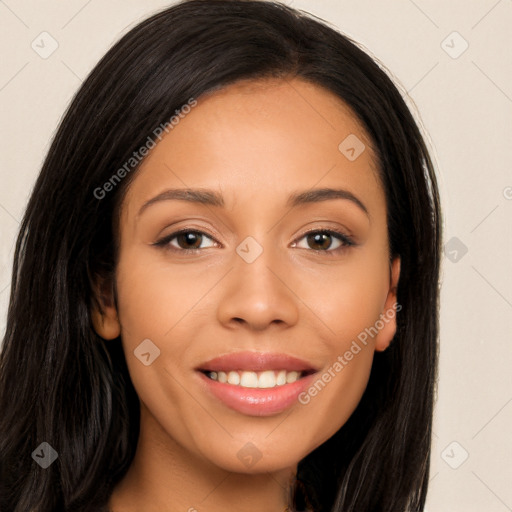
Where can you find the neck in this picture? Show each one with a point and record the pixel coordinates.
(164, 476)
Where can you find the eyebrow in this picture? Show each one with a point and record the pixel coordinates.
(317, 195)
(213, 198)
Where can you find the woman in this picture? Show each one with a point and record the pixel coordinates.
(225, 287)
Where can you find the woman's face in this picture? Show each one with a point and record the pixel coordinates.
(276, 265)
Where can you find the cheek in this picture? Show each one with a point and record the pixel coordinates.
(346, 298)
(153, 297)
(153, 303)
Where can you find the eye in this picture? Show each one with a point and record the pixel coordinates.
(185, 240)
(325, 240)
(188, 240)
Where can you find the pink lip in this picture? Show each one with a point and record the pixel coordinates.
(256, 362)
(255, 401)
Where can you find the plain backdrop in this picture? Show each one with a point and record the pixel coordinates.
(453, 62)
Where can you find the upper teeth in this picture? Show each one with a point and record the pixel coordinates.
(265, 379)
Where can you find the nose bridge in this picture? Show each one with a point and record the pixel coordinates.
(253, 262)
(256, 295)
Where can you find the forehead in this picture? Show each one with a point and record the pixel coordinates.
(255, 140)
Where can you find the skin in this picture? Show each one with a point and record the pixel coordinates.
(255, 142)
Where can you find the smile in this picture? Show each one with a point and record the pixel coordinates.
(255, 383)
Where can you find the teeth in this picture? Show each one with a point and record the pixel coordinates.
(234, 378)
(292, 377)
(263, 380)
(267, 379)
(249, 380)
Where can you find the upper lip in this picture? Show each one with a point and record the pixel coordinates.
(256, 361)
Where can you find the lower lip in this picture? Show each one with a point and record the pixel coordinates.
(256, 401)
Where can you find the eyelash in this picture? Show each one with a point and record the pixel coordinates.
(345, 240)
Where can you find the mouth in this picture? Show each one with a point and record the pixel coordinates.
(254, 383)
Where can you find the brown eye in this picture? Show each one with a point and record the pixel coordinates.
(319, 241)
(185, 240)
(189, 240)
(325, 241)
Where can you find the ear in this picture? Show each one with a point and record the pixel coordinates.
(104, 310)
(387, 321)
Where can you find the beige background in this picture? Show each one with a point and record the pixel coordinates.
(466, 106)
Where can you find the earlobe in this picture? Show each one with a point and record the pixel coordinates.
(387, 321)
(104, 316)
(106, 325)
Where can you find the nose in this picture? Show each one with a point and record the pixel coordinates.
(259, 294)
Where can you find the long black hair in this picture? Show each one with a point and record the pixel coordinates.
(60, 383)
